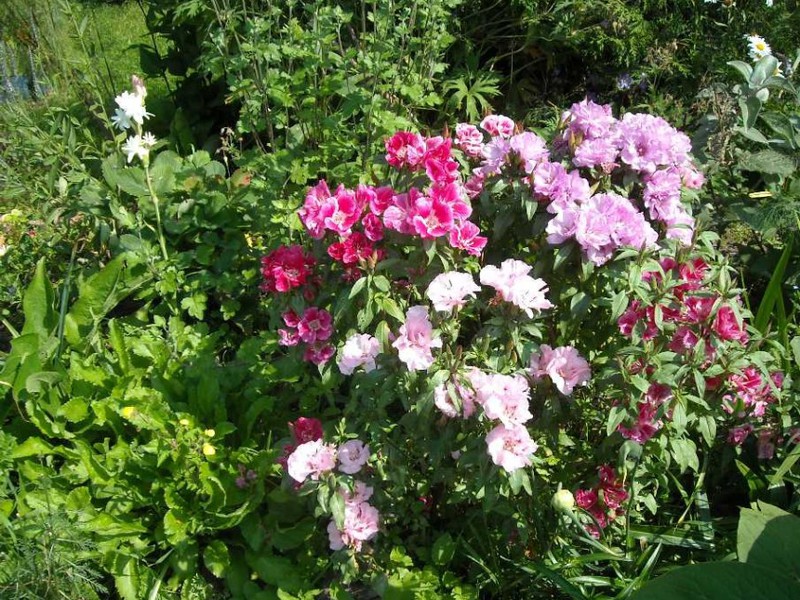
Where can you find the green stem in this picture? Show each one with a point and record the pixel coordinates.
(159, 229)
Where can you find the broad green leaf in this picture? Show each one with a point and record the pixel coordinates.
(443, 549)
(720, 581)
(216, 558)
(37, 305)
(769, 161)
(770, 538)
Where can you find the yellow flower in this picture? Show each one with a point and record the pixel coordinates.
(209, 450)
(184, 422)
(210, 432)
(128, 412)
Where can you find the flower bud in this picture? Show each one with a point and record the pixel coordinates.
(563, 501)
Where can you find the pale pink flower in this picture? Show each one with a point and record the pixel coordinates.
(311, 459)
(510, 447)
(359, 350)
(353, 455)
(416, 340)
(450, 290)
(512, 282)
(503, 397)
(564, 365)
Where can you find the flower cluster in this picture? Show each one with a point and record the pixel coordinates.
(439, 209)
(361, 520)
(309, 457)
(696, 323)
(603, 501)
(314, 329)
(641, 148)
(130, 114)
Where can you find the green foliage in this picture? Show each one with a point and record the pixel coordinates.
(768, 567)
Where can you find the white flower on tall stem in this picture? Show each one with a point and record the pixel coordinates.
(139, 145)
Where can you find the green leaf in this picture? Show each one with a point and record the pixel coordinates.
(720, 581)
(743, 68)
(768, 161)
(37, 305)
(443, 549)
(770, 538)
(32, 446)
(774, 290)
(750, 108)
(764, 69)
(685, 453)
(216, 558)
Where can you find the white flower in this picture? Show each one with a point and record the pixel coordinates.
(148, 139)
(135, 146)
(758, 48)
(121, 120)
(133, 107)
(769, 3)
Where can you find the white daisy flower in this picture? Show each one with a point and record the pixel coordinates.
(758, 47)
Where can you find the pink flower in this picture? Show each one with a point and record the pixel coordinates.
(400, 212)
(361, 524)
(458, 401)
(353, 455)
(360, 350)
(495, 155)
(405, 149)
(286, 268)
(684, 340)
(383, 198)
(432, 217)
(318, 353)
(311, 459)
(503, 397)
(316, 325)
(727, 326)
(416, 340)
(450, 290)
(342, 211)
(607, 222)
(316, 198)
(766, 444)
(514, 285)
(469, 139)
(498, 125)
(737, 435)
(288, 337)
(530, 148)
(510, 447)
(373, 227)
(464, 236)
(565, 367)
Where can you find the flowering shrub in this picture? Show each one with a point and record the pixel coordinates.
(479, 356)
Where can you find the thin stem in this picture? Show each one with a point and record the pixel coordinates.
(159, 229)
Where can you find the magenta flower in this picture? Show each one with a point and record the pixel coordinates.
(405, 149)
(464, 236)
